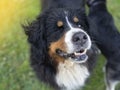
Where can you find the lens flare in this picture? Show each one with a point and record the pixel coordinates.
(16, 11)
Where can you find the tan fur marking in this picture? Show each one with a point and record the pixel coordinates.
(75, 19)
(59, 23)
(60, 44)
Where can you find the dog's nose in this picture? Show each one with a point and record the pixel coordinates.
(79, 38)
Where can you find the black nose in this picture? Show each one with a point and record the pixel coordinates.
(79, 38)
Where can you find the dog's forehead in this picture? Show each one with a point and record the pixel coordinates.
(64, 19)
(63, 12)
(60, 15)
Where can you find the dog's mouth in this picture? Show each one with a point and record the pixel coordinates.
(79, 56)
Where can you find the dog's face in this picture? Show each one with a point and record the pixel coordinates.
(66, 35)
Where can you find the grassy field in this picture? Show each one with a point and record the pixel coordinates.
(15, 71)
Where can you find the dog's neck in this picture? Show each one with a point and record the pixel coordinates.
(71, 76)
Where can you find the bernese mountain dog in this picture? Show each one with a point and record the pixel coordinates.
(62, 52)
(107, 38)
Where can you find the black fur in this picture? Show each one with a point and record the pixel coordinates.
(107, 38)
(43, 67)
(62, 4)
(43, 31)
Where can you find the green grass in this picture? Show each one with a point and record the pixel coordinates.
(15, 71)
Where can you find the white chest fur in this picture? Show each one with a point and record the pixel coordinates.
(71, 76)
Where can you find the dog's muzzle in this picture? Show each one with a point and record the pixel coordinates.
(77, 43)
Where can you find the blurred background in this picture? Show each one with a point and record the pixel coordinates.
(15, 71)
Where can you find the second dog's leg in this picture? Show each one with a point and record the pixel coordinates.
(110, 84)
(104, 35)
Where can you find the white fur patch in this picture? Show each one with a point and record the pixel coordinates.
(111, 85)
(71, 76)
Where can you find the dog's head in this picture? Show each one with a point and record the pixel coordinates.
(61, 34)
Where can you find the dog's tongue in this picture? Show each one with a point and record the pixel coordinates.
(82, 57)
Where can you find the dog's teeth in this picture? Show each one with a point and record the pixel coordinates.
(80, 52)
(76, 54)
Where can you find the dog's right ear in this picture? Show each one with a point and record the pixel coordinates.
(35, 31)
(40, 61)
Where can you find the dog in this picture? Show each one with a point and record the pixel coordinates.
(62, 53)
(107, 39)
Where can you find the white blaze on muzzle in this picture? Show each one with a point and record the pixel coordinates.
(69, 35)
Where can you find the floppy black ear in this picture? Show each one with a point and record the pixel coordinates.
(40, 60)
(37, 40)
(34, 31)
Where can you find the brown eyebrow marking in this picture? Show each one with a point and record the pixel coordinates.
(60, 23)
(75, 19)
